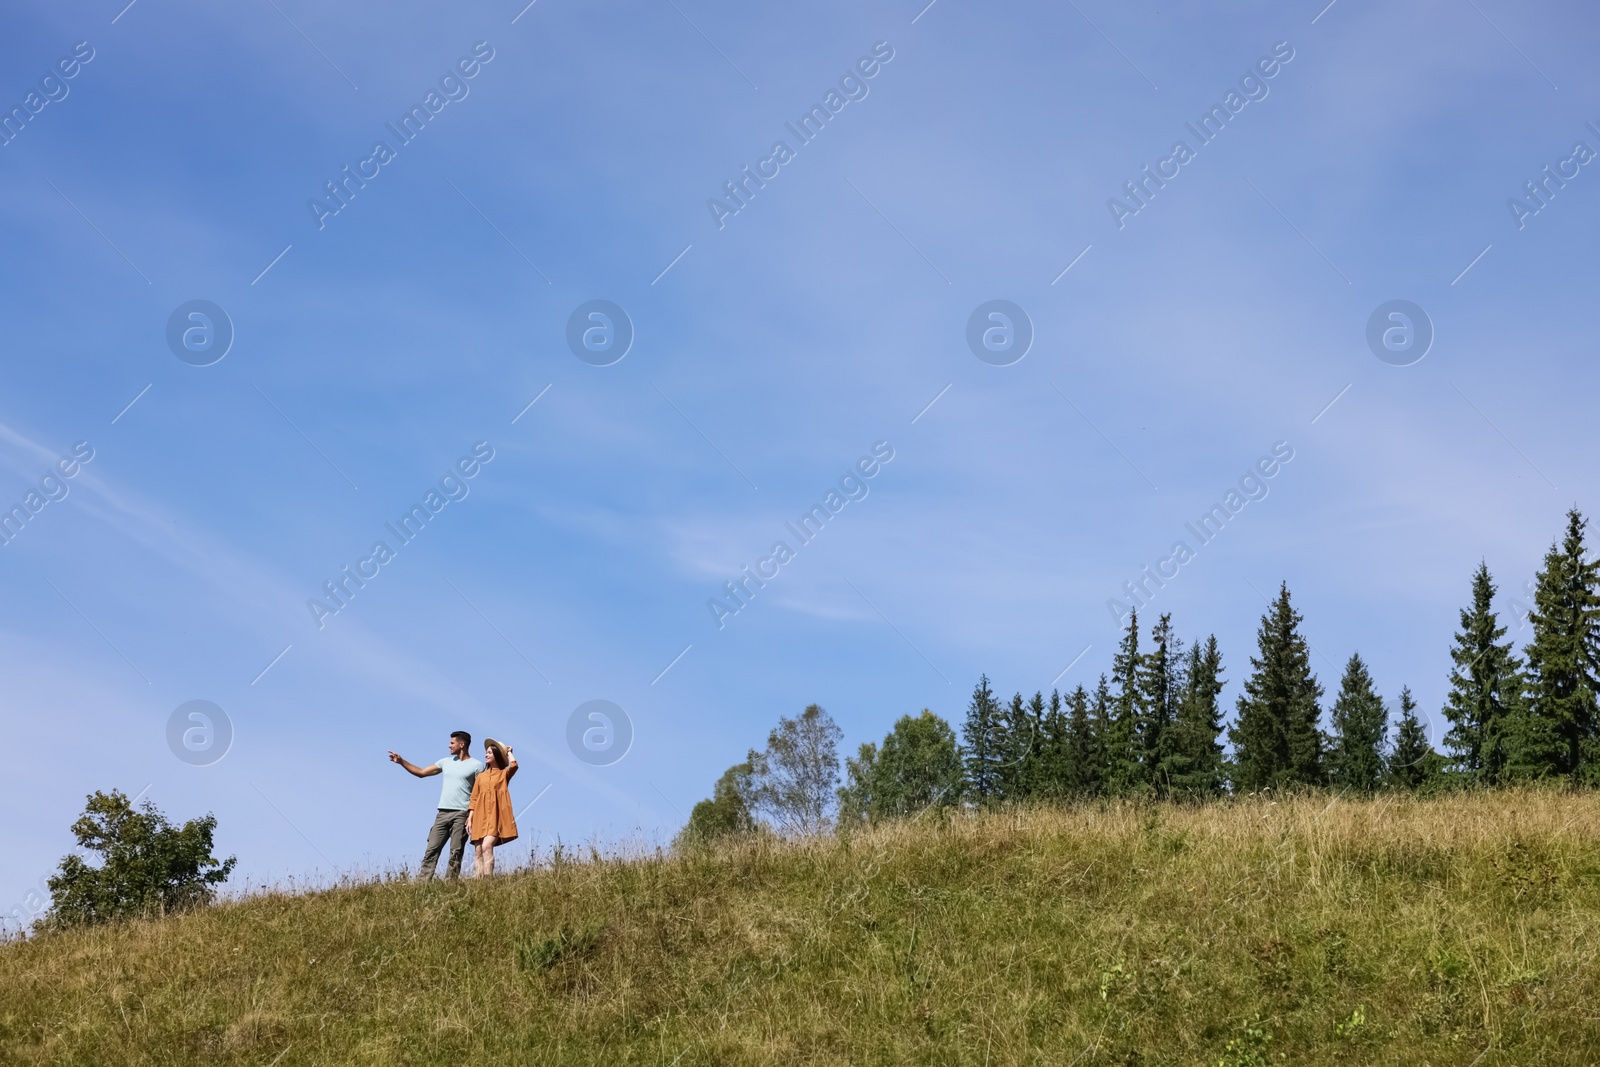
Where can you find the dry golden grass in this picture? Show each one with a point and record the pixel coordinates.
(1458, 930)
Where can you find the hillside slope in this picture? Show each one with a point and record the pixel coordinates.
(1461, 930)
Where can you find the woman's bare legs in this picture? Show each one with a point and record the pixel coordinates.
(483, 864)
(478, 860)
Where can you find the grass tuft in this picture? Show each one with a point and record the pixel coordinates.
(541, 954)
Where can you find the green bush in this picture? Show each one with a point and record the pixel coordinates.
(726, 813)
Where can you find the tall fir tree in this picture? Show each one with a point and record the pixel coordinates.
(1486, 672)
(1562, 661)
(1412, 764)
(1033, 773)
(1359, 721)
(1102, 721)
(1125, 770)
(1083, 746)
(981, 737)
(1275, 736)
(1019, 737)
(1193, 749)
(1053, 774)
(1522, 743)
(1160, 684)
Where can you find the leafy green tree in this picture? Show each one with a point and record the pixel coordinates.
(984, 751)
(147, 865)
(856, 795)
(726, 813)
(1360, 721)
(1161, 687)
(1562, 660)
(1412, 763)
(1485, 674)
(1125, 772)
(793, 782)
(1193, 749)
(917, 767)
(1275, 737)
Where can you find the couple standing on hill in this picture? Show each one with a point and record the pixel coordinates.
(475, 804)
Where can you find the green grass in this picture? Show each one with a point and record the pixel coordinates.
(1459, 930)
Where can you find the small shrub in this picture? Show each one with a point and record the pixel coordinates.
(541, 954)
(726, 814)
(1250, 1050)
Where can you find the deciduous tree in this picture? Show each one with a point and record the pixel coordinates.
(794, 781)
(917, 767)
(726, 812)
(147, 865)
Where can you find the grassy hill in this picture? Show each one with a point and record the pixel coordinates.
(1461, 930)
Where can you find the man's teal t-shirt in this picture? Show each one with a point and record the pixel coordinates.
(458, 775)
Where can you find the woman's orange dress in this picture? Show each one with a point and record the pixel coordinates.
(490, 806)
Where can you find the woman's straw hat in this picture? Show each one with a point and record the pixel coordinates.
(499, 750)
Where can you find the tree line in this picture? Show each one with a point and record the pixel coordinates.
(1154, 726)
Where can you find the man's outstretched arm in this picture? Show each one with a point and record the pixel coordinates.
(420, 772)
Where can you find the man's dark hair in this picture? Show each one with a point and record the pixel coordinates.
(466, 738)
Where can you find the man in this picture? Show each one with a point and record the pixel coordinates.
(459, 771)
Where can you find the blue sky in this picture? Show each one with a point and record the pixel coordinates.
(769, 355)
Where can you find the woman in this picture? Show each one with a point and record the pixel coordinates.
(490, 820)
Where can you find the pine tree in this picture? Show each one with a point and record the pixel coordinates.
(1033, 769)
(1485, 671)
(1525, 743)
(1125, 772)
(1275, 737)
(1102, 722)
(1413, 763)
(1160, 685)
(1083, 746)
(980, 733)
(1562, 659)
(1360, 721)
(1193, 752)
(1053, 773)
(1019, 736)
